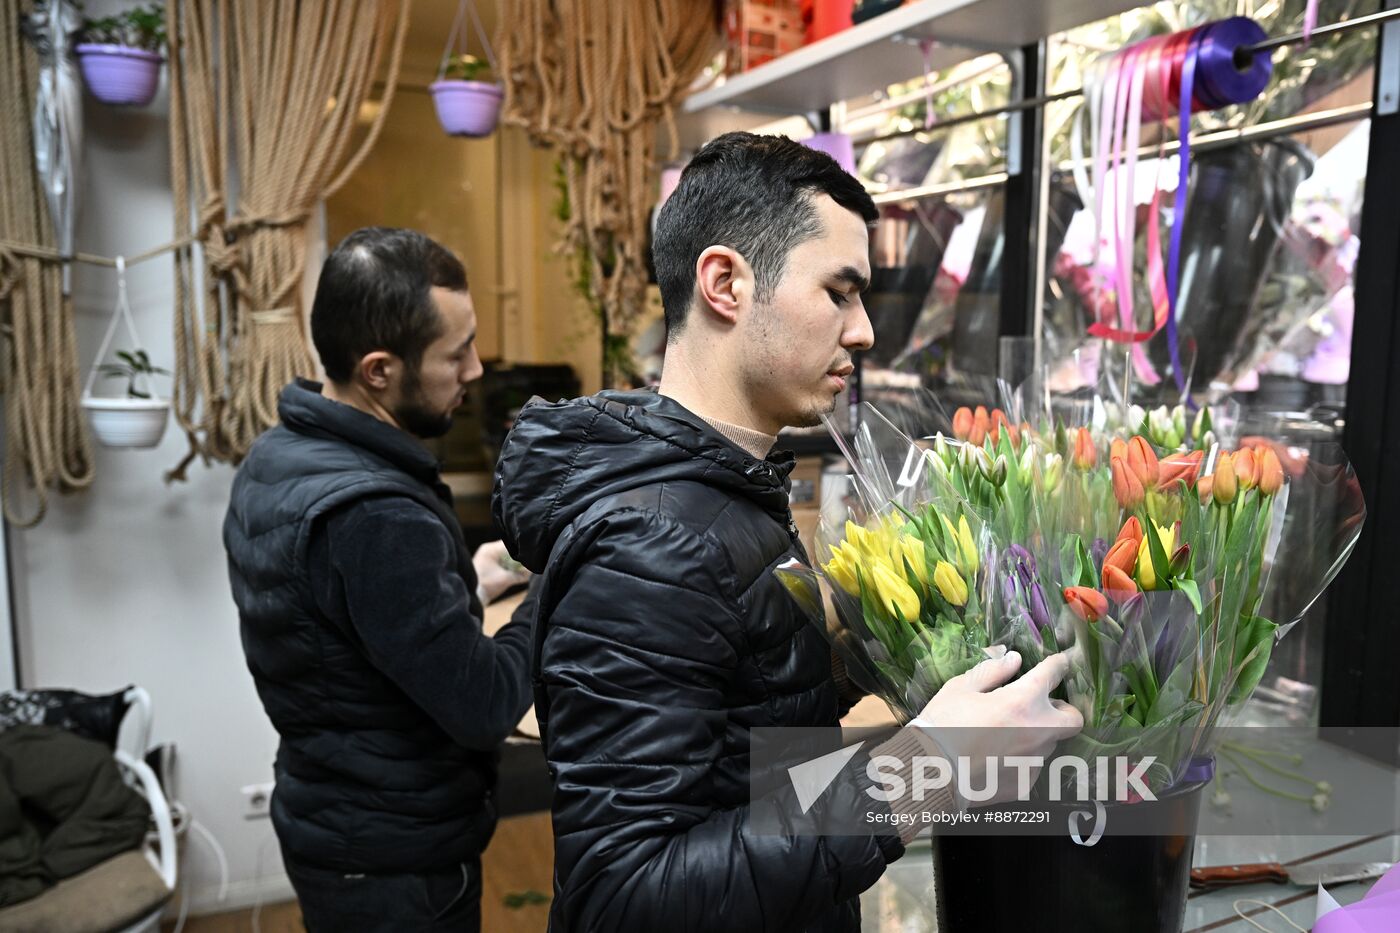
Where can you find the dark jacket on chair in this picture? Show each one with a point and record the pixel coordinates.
(362, 629)
(662, 638)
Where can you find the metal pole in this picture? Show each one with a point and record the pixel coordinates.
(1293, 38)
(1205, 141)
(1359, 686)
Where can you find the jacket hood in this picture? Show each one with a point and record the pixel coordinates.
(562, 457)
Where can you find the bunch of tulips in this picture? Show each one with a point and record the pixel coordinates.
(1148, 563)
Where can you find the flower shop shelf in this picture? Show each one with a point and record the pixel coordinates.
(885, 50)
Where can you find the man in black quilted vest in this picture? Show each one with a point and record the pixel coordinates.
(361, 605)
(656, 520)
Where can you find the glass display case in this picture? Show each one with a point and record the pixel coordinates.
(1268, 251)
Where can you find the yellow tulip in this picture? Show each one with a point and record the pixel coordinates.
(969, 562)
(913, 552)
(960, 544)
(855, 535)
(894, 593)
(842, 569)
(950, 583)
(1147, 575)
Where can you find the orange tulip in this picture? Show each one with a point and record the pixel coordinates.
(1225, 482)
(1142, 460)
(1246, 468)
(1085, 456)
(1122, 556)
(1204, 488)
(1270, 472)
(1132, 529)
(1183, 468)
(1127, 488)
(1119, 448)
(1089, 604)
(981, 426)
(1118, 584)
(962, 423)
(999, 423)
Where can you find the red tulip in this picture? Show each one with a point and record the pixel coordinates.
(1127, 488)
(1180, 560)
(1132, 528)
(1089, 604)
(1085, 456)
(1142, 460)
(962, 423)
(1119, 448)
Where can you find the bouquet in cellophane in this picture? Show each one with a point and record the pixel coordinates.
(1135, 541)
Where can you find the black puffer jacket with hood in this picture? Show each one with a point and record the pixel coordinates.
(662, 638)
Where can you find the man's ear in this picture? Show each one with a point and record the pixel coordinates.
(724, 280)
(378, 369)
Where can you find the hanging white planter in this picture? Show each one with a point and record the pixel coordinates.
(130, 421)
(466, 107)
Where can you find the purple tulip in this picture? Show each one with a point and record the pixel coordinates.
(1022, 592)
(1098, 551)
(1040, 609)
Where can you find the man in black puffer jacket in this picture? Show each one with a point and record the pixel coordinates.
(662, 637)
(361, 605)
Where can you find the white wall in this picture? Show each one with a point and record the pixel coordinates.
(126, 583)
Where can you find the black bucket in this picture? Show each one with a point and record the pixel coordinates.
(1050, 883)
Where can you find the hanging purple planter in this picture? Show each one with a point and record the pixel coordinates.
(120, 74)
(467, 108)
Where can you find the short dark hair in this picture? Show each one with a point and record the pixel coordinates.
(753, 194)
(373, 295)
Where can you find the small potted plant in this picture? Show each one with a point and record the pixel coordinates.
(121, 55)
(467, 105)
(136, 419)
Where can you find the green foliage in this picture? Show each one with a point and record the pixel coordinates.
(467, 68)
(617, 348)
(134, 365)
(141, 27)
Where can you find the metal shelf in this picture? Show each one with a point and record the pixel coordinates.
(885, 50)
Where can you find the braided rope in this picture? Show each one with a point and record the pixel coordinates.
(299, 72)
(47, 441)
(595, 80)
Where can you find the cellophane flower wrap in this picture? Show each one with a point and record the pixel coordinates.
(1137, 542)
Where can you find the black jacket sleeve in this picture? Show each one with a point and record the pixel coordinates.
(387, 569)
(636, 663)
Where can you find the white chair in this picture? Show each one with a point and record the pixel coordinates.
(114, 891)
(160, 849)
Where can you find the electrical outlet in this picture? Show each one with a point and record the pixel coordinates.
(257, 801)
